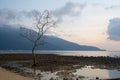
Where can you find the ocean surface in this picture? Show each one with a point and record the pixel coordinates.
(71, 53)
(84, 53)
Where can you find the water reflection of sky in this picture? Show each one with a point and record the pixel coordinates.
(72, 53)
(90, 53)
(83, 53)
(101, 73)
(114, 73)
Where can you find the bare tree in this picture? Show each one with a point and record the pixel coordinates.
(43, 22)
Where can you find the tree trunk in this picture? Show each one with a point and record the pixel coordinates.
(34, 56)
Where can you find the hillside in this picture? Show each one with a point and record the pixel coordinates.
(10, 39)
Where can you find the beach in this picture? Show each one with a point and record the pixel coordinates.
(7, 75)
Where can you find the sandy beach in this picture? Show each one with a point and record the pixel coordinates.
(7, 75)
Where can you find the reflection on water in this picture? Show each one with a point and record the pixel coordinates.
(101, 73)
(114, 73)
(46, 75)
(81, 53)
(72, 53)
(89, 53)
(88, 72)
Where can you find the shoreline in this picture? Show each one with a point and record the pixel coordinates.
(104, 62)
(53, 62)
(8, 75)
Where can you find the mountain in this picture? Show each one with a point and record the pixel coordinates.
(10, 39)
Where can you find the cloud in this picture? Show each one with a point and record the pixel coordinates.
(17, 19)
(8, 15)
(106, 6)
(13, 16)
(112, 7)
(30, 14)
(70, 9)
(114, 29)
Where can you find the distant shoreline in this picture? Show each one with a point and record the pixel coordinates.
(68, 53)
(29, 51)
(56, 58)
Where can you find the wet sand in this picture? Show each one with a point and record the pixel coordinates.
(7, 75)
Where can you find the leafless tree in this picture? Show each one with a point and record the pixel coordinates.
(43, 22)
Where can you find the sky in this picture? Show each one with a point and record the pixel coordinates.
(86, 22)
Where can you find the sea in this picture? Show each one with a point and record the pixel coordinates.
(69, 53)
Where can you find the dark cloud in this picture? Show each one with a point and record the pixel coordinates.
(70, 9)
(114, 29)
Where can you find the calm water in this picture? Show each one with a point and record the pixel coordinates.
(87, 72)
(72, 53)
(84, 53)
(101, 73)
